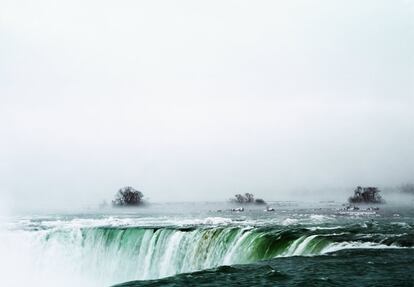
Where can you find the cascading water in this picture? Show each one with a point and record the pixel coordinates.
(92, 252)
(109, 255)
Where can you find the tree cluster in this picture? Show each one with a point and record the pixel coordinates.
(366, 195)
(247, 198)
(128, 196)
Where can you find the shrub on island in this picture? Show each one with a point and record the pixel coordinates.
(247, 198)
(366, 195)
(128, 196)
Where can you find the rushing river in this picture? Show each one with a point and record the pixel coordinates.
(209, 245)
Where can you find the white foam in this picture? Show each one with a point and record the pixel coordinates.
(123, 222)
(314, 228)
(290, 221)
(355, 245)
(319, 217)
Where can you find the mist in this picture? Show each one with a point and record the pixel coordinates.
(197, 101)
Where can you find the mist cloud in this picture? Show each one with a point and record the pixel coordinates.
(197, 101)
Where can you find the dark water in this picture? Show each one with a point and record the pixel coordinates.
(366, 267)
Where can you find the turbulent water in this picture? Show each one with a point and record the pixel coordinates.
(198, 245)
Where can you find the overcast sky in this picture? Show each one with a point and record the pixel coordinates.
(198, 100)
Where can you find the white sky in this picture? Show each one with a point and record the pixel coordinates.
(198, 100)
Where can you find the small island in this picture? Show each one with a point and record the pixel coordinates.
(128, 196)
(247, 198)
(366, 195)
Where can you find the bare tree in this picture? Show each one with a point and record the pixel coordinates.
(366, 195)
(247, 198)
(128, 196)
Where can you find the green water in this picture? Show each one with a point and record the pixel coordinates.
(295, 245)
